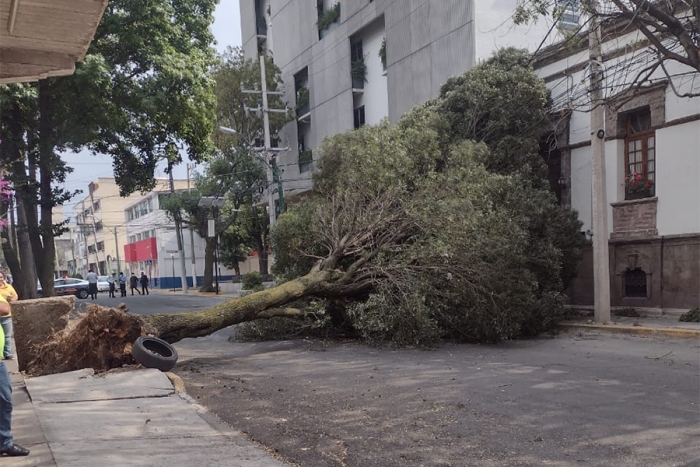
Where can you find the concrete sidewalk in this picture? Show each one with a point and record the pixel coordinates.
(131, 417)
(662, 326)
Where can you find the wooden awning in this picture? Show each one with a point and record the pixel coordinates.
(43, 38)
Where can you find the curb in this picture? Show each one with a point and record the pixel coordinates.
(635, 330)
(177, 382)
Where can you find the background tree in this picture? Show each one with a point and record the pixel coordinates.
(233, 171)
(142, 87)
(670, 48)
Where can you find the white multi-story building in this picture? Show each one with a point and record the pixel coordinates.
(151, 245)
(424, 42)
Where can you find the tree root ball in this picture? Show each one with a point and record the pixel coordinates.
(100, 340)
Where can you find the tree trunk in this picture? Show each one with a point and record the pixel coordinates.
(262, 256)
(47, 160)
(26, 254)
(208, 278)
(11, 257)
(260, 305)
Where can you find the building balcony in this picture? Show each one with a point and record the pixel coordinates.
(634, 219)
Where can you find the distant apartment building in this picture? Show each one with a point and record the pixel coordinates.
(99, 228)
(151, 244)
(348, 63)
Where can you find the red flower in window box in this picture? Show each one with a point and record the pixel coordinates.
(637, 183)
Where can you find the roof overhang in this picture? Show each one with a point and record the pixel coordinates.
(44, 38)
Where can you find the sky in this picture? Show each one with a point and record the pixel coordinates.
(227, 31)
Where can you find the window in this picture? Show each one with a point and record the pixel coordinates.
(96, 206)
(98, 226)
(640, 156)
(636, 283)
(569, 11)
(356, 51)
(359, 116)
(100, 246)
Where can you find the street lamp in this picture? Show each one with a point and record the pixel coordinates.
(215, 203)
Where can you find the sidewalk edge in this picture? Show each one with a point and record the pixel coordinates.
(635, 330)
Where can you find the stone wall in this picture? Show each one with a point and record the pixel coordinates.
(671, 264)
(634, 219)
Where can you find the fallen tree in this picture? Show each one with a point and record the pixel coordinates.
(414, 231)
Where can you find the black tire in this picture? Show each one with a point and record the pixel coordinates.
(82, 294)
(152, 352)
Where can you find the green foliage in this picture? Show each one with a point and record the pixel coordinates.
(328, 17)
(382, 53)
(358, 69)
(504, 104)
(302, 97)
(692, 316)
(451, 223)
(252, 280)
(306, 156)
(295, 245)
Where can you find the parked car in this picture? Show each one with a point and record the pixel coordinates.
(102, 284)
(77, 287)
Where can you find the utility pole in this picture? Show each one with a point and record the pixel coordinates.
(268, 146)
(191, 229)
(116, 243)
(178, 234)
(601, 261)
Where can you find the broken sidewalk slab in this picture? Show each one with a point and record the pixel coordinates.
(85, 385)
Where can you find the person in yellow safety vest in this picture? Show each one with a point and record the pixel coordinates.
(7, 444)
(9, 294)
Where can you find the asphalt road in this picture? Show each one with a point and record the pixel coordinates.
(155, 303)
(572, 400)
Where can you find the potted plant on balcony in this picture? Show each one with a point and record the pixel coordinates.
(302, 101)
(306, 159)
(328, 17)
(638, 186)
(358, 72)
(382, 53)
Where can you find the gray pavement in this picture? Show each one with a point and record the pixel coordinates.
(156, 302)
(132, 417)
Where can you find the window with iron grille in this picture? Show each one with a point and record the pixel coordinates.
(635, 283)
(640, 156)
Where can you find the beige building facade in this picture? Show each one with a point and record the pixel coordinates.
(99, 232)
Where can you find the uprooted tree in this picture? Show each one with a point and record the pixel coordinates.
(420, 230)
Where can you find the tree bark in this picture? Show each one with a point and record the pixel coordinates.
(47, 159)
(11, 257)
(26, 254)
(260, 305)
(262, 256)
(208, 278)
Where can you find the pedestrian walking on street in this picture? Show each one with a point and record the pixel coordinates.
(134, 283)
(7, 444)
(122, 284)
(9, 294)
(144, 283)
(92, 284)
(112, 286)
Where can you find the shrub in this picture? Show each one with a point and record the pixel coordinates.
(628, 312)
(252, 280)
(692, 316)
